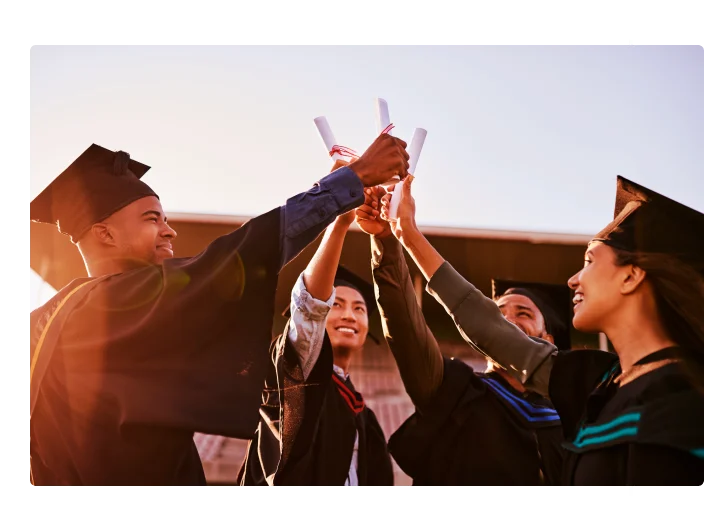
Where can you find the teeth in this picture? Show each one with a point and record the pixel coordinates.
(346, 330)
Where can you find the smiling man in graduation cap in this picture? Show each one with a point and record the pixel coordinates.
(127, 364)
(539, 310)
(315, 428)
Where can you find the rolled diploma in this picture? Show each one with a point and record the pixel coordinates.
(326, 133)
(382, 121)
(413, 153)
(382, 115)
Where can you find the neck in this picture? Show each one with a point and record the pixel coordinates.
(635, 336)
(109, 266)
(507, 377)
(342, 360)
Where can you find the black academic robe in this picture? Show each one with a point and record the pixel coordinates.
(147, 357)
(307, 428)
(648, 432)
(478, 430)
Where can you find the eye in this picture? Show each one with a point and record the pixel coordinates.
(336, 304)
(152, 219)
(525, 314)
(587, 262)
(360, 309)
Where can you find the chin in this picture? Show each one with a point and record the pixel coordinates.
(583, 323)
(346, 345)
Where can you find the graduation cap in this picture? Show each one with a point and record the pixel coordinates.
(97, 184)
(344, 277)
(646, 221)
(553, 300)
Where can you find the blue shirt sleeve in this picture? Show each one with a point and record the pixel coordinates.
(306, 215)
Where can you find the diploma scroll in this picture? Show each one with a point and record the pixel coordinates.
(382, 115)
(384, 126)
(414, 150)
(335, 151)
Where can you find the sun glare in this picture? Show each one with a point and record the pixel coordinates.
(36, 291)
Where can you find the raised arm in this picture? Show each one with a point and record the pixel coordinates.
(477, 317)
(413, 345)
(307, 214)
(313, 294)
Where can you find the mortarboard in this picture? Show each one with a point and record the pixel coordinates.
(553, 300)
(645, 221)
(96, 185)
(344, 277)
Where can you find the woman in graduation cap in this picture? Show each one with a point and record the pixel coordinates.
(127, 364)
(469, 428)
(315, 428)
(633, 417)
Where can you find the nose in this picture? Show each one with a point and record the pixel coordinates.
(573, 281)
(168, 232)
(348, 314)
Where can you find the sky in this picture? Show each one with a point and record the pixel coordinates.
(526, 138)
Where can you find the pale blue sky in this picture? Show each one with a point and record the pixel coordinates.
(523, 138)
(518, 137)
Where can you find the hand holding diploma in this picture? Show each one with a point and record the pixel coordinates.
(384, 158)
(417, 142)
(405, 220)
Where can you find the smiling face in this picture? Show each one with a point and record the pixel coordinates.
(597, 288)
(141, 233)
(522, 311)
(347, 323)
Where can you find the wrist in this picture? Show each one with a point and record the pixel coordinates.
(386, 233)
(361, 169)
(408, 226)
(411, 234)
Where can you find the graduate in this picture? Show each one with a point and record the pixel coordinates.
(633, 417)
(315, 428)
(469, 428)
(127, 364)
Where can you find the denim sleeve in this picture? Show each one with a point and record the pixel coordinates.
(306, 215)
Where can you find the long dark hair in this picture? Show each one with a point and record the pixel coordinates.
(679, 296)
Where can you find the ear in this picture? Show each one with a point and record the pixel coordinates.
(634, 277)
(103, 234)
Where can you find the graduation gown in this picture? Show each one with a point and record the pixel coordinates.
(307, 428)
(136, 362)
(650, 431)
(478, 430)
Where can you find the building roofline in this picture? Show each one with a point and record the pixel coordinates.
(535, 237)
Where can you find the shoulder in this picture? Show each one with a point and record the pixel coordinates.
(574, 376)
(531, 410)
(662, 409)
(40, 316)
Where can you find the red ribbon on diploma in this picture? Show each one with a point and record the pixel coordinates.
(343, 151)
(346, 151)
